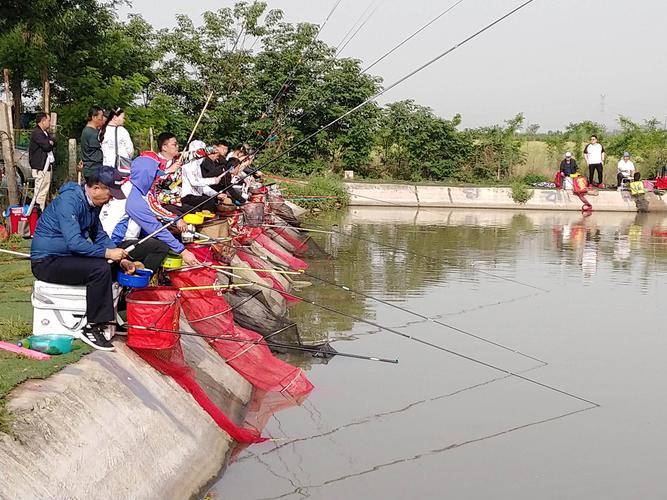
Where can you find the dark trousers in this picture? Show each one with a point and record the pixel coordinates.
(620, 177)
(150, 253)
(94, 272)
(194, 200)
(592, 168)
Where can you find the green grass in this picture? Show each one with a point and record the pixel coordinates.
(16, 323)
(330, 188)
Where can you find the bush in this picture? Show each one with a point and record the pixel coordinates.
(530, 179)
(324, 192)
(520, 193)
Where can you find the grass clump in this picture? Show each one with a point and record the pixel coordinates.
(520, 192)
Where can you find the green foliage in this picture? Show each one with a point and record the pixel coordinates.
(646, 142)
(520, 192)
(330, 188)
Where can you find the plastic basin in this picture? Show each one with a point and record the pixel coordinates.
(139, 279)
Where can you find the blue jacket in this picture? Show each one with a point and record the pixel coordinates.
(70, 226)
(142, 175)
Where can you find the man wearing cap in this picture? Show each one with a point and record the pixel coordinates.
(568, 166)
(70, 247)
(626, 170)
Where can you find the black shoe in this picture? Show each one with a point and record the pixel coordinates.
(93, 336)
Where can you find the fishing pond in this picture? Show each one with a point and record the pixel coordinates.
(536, 366)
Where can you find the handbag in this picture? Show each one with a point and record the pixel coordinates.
(123, 163)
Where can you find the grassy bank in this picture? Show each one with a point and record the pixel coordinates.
(16, 323)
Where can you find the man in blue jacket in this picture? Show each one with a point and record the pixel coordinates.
(70, 247)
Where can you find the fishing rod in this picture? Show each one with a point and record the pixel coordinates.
(268, 344)
(340, 48)
(256, 169)
(419, 340)
(18, 254)
(427, 318)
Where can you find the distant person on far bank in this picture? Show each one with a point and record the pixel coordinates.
(594, 155)
(626, 170)
(41, 159)
(117, 147)
(91, 149)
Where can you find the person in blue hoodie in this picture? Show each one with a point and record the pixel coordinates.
(127, 221)
(70, 247)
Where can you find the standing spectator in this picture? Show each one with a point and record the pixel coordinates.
(594, 155)
(41, 159)
(117, 147)
(626, 170)
(91, 149)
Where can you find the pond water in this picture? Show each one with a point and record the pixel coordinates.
(581, 293)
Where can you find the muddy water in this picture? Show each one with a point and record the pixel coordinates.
(583, 294)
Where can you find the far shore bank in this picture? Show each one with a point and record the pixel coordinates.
(414, 195)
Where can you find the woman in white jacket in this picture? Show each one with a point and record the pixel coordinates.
(117, 147)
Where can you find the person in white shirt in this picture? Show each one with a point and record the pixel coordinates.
(626, 169)
(594, 155)
(197, 189)
(117, 147)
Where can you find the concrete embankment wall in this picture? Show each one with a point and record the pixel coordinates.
(405, 195)
(110, 426)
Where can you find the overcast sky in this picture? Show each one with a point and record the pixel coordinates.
(557, 61)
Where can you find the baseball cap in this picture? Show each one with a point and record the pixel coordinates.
(568, 155)
(626, 155)
(108, 176)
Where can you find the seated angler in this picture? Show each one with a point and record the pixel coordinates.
(199, 190)
(139, 220)
(70, 247)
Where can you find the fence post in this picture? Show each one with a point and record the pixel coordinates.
(7, 140)
(71, 157)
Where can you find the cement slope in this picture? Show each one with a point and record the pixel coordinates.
(111, 426)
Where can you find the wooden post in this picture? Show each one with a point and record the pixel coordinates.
(71, 159)
(46, 89)
(7, 141)
(150, 137)
(8, 98)
(54, 124)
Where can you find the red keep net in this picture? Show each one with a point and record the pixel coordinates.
(159, 309)
(210, 314)
(154, 308)
(300, 247)
(274, 248)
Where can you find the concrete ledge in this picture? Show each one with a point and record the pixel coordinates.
(110, 426)
(405, 195)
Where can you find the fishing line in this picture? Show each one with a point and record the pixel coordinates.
(253, 170)
(399, 45)
(338, 51)
(356, 23)
(416, 339)
(424, 317)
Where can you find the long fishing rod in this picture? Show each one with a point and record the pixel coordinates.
(427, 318)
(290, 76)
(416, 339)
(368, 18)
(253, 170)
(267, 344)
(382, 57)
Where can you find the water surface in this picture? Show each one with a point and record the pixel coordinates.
(582, 293)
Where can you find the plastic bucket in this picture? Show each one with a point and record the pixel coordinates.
(157, 308)
(253, 214)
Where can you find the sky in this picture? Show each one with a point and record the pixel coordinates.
(557, 61)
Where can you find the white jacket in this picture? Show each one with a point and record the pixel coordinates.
(125, 146)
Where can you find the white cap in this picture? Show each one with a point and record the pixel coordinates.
(568, 155)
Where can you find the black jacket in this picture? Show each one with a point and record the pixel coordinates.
(38, 149)
(569, 169)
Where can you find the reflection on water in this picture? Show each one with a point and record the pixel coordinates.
(564, 287)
